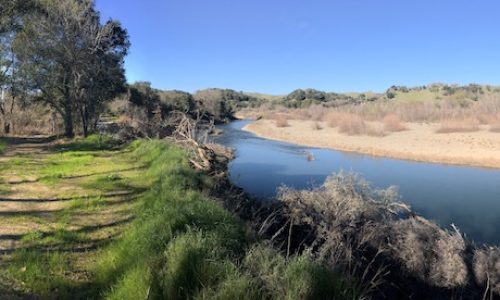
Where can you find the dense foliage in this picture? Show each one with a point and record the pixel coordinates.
(60, 53)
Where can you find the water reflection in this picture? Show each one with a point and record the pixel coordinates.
(466, 196)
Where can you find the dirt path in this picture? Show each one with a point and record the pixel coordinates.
(61, 200)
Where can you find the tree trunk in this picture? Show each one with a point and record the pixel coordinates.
(85, 125)
(68, 126)
(68, 119)
(10, 126)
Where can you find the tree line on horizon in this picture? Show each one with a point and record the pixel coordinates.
(60, 54)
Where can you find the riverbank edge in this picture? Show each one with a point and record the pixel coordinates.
(486, 163)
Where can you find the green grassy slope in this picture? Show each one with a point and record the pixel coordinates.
(162, 237)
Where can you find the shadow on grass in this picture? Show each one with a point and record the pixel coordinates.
(83, 229)
(28, 140)
(64, 199)
(90, 143)
(82, 247)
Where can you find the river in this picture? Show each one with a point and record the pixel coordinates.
(468, 197)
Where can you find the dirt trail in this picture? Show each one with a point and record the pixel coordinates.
(32, 210)
(27, 145)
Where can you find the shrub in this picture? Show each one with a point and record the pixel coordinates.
(426, 251)
(458, 125)
(352, 125)
(281, 121)
(495, 128)
(486, 264)
(393, 123)
(316, 126)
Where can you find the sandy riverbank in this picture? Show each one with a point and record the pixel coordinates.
(420, 142)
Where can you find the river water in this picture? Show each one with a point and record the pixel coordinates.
(468, 197)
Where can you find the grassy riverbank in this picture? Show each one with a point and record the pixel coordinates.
(90, 220)
(3, 145)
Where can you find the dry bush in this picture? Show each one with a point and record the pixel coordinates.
(298, 114)
(486, 265)
(393, 123)
(316, 126)
(449, 269)
(281, 121)
(368, 234)
(351, 124)
(375, 131)
(124, 119)
(495, 128)
(30, 120)
(337, 209)
(316, 112)
(458, 125)
(118, 106)
(343, 216)
(430, 253)
(332, 118)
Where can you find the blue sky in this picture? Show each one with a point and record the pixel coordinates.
(276, 46)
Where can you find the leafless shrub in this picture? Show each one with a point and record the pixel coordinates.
(345, 215)
(458, 125)
(28, 119)
(495, 128)
(486, 265)
(336, 209)
(430, 253)
(281, 121)
(124, 119)
(316, 112)
(393, 123)
(347, 218)
(375, 131)
(332, 118)
(352, 125)
(316, 126)
(449, 268)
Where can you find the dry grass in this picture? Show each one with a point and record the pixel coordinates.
(495, 128)
(486, 265)
(281, 121)
(458, 125)
(392, 123)
(34, 119)
(456, 114)
(429, 253)
(316, 126)
(351, 124)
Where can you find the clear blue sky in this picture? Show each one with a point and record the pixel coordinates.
(276, 46)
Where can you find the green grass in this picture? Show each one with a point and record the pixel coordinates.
(3, 145)
(181, 245)
(417, 96)
(185, 246)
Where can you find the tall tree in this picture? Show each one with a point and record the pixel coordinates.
(72, 61)
(11, 14)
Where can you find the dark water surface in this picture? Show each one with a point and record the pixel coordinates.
(466, 196)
